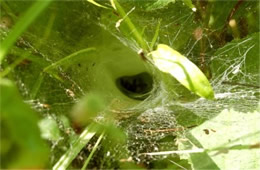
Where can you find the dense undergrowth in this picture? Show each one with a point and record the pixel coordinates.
(105, 84)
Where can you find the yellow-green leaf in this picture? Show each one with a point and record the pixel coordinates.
(159, 4)
(188, 74)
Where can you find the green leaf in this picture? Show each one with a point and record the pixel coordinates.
(232, 139)
(188, 74)
(195, 158)
(21, 122)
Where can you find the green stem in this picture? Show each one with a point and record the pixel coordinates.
(11, 66)
(65, 59)
(28, 53)
(49, 69)
(22, 25)
(131, 26)
(93, 151)
(25, 55)
(155, 37)
(76, 147)
(37, 85)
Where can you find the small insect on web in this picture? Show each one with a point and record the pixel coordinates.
(142, 55)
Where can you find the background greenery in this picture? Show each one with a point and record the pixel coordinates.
(61, 106)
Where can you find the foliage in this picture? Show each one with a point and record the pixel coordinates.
(170, 61)
(95, 84)
(226, 142)
(18, 119)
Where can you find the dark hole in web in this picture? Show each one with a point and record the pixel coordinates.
(137, 86)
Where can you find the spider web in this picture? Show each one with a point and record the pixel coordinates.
(150, 124)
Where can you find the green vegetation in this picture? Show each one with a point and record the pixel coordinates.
(114, 84)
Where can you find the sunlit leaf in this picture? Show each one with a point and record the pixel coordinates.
(188, 74)
(233, 138)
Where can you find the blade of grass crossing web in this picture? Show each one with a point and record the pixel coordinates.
(67, 58)
(93, 151)
(76, 147)
(155, 37)
(130, 25)
(27, 54)
(22, 25)
(11, 66)
(49, 69)
(37, 85)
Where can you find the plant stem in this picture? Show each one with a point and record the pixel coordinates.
(26, 55)
(130, 25)
(155, 37)
(76, 147)
(93, 151)
(37, 85)
(65, 59)
(11, 66)
(49, 68)
(231, 14)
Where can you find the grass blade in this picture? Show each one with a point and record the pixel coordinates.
(11, 66)
(155, 37)
(76, 147)
(130, 25)
(22, 25)
(93, 151)
(67, 58)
